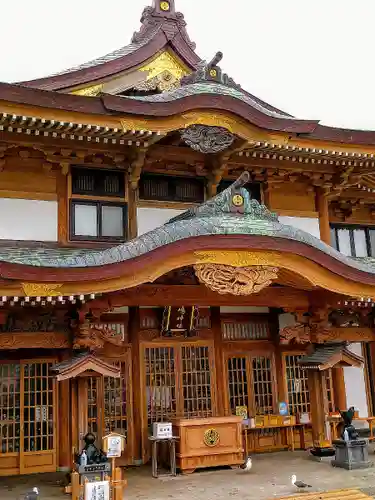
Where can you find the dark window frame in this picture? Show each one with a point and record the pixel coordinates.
(351, 228)
(172, 184)
(98, 204)
(97, 175)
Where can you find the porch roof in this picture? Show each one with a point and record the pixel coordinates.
(325, 356)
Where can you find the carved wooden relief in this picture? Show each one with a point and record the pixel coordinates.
(33, 341)
(35, 320)
(94, 336)
(225, 279)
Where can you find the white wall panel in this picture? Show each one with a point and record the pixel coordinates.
(355, 384)
(150, 218)
(33, 220)
(308, 224)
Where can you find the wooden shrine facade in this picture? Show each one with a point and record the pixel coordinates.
(171, 247)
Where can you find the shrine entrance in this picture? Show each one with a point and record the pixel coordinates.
(28, 417)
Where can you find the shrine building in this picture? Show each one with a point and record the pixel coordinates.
(172, 247)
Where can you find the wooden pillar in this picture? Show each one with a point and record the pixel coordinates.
(76, 445)
(339, 388)
(65, 437)
(221, 400)
(62, 208)
(315, 385)
(132, 212)
(134, 328)
(322, 209)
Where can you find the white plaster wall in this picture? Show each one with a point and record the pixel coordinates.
(286, 320)
(355, 384)
(34, 220)
(308, 224)
(150, 218)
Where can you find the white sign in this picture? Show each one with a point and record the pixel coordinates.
(162, 430)
(97, 491)
(114, 447)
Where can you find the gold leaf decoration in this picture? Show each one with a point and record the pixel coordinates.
(89, 91)
(165, 62)
(41, 289)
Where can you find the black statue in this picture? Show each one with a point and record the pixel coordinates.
(94, 455)
(347, 417)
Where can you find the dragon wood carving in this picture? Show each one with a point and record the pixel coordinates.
(225, 279)
(92, 337)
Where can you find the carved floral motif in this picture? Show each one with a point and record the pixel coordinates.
(299, 333)
(32, 341)
(207, 139)
(41, 289)
(225, 279)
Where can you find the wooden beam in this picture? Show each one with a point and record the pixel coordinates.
(199, 295)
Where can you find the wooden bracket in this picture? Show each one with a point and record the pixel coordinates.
(135, 168)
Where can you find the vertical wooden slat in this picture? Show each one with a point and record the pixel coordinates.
(132, 212)
(82, 408)
(64, 435)
(219, 364)
(137, 391)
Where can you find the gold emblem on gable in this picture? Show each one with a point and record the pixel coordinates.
(164, 6)
(237, 200)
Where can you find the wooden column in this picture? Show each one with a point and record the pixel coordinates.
(132, 211)
(315, 385)
(62, 207)
(76, 445)
(339, 388)
(65, 447)
(134, 328)
(221, 400)
(322, 209)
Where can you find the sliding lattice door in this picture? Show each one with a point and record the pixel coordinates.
(251, 383)
(178, 381)
(27, 417)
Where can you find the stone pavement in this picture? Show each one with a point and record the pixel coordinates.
(269, 479)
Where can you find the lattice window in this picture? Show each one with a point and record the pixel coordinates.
(251, 384)
(97, 182)
(160, 383)
(168, 188)
(263, 385)
(38, 407)
(115, 403)
(298, 392)
(93, 405)
(196, 381)
(330, 391)
(10, 408)
(238, 383)
(247, 329)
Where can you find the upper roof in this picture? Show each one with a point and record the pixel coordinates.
(162, 26)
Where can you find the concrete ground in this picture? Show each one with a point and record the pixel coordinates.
(269, 478)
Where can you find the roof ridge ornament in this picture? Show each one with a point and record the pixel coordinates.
(233, 201)
(162, 15)
(210, 72)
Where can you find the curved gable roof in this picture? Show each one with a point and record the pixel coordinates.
(159, 29)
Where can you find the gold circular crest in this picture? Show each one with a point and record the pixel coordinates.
(213, 72)
(164, 6)
(211, 437)
(237, 200)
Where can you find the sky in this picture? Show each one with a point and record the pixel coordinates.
(313, 59)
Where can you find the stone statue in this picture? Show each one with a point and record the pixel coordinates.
(94, 455)
(347, 417)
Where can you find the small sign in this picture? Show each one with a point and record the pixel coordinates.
(283, 409)
(241, 411)
(162, 430)
(297, 385)
(98, 490)
(113, 445)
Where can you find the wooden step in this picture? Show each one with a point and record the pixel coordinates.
(346, 494)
